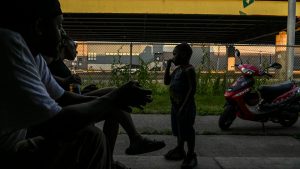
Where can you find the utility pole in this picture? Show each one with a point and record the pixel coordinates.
(291, 37)
(130, 61)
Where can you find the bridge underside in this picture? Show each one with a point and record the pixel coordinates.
(175, 28)
(204, 21)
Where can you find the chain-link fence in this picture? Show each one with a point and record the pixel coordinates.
(109, 64)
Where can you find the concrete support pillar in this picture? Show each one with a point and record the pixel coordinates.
(280, 50)
(291, 38)
(230, 58)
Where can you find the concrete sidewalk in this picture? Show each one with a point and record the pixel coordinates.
(161, 124)
(157, 162)
(226, 146)
(221, 152)
(244, 146)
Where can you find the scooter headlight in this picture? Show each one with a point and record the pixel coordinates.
(247, 71)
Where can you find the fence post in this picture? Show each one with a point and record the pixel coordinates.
(281, 54)
(291, 37)
(130, 61)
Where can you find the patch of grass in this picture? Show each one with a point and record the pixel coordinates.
(160, 105)
(206, 105)
(209, 105)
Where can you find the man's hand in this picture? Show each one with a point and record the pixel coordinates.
(132, 94)
(169, 62)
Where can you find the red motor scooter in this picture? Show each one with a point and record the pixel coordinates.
(278, 103)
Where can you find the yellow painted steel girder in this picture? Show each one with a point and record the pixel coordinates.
(215, 7)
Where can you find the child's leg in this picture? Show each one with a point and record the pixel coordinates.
(191, 142)
(190, 161)
(178, 152)
(190, 131)
(180, 143)
(176, 126)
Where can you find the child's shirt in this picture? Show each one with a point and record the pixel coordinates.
(179, 84)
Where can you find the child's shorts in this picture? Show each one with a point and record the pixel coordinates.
(182, 126)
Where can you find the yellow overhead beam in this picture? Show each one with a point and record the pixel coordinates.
(214, 7)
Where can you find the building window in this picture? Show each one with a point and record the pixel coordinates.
(92, 56)
(121, 54)
(80, 61)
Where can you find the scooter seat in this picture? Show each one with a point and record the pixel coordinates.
(269, 93)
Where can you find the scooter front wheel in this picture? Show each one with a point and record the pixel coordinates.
(227, 117)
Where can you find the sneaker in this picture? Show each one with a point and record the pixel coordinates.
(189, 162)
(175, 154)
(144, 145)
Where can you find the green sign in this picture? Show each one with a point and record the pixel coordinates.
(246, 3)
(242, 13)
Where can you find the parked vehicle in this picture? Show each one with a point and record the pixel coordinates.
(279, 103)
(128, 68)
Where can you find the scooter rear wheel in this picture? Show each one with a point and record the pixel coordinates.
(288, 118)
(227, 117)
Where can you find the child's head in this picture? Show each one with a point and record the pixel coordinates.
(182, 54)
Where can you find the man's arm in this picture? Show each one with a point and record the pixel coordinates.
(191, 79)
(75, 117)
(167, 77)
(61, 81)
(70, 98)
(100, 92)
(65, 82)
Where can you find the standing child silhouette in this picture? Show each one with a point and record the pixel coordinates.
(182, 84)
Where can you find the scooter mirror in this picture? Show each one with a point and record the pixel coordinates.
(237, 53)
(276, 65)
